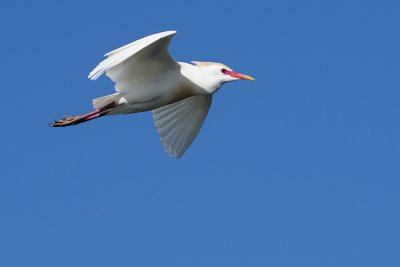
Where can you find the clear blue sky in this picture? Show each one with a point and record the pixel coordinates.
(299, 168)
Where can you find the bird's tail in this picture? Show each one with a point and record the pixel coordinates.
(103, 101)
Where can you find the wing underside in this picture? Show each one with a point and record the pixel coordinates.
(179, 123)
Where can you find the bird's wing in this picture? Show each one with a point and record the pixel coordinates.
(179, 123)
(137, 62)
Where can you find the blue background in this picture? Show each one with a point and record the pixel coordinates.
(299, 168)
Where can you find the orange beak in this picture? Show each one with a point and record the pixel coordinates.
(240, 76)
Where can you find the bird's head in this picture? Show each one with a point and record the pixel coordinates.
(216, 74)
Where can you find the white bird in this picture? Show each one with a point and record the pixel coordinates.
(147, 78)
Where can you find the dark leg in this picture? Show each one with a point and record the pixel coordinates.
(73, 120)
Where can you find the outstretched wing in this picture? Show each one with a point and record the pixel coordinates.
(138, 62)
(179, 123)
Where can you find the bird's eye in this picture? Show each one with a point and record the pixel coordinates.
(223, 70)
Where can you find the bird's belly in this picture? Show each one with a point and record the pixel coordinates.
(154, 92)
(154, 98)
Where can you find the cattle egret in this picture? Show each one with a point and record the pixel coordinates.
(147, 78)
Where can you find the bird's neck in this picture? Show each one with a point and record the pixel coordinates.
(195, 75)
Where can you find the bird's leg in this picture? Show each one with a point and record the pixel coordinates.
(73, 120)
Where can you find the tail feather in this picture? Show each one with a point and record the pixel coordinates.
(106, 100)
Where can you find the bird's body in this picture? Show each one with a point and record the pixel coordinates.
(166, 88)
(148, 79)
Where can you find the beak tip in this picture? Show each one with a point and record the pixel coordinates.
(241, 76)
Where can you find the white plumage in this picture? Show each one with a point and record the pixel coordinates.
(179, 123)
(148, 78)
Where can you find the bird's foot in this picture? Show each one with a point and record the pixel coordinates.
(73, 120)
(65, 121)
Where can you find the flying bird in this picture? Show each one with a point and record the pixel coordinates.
(147, 78)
